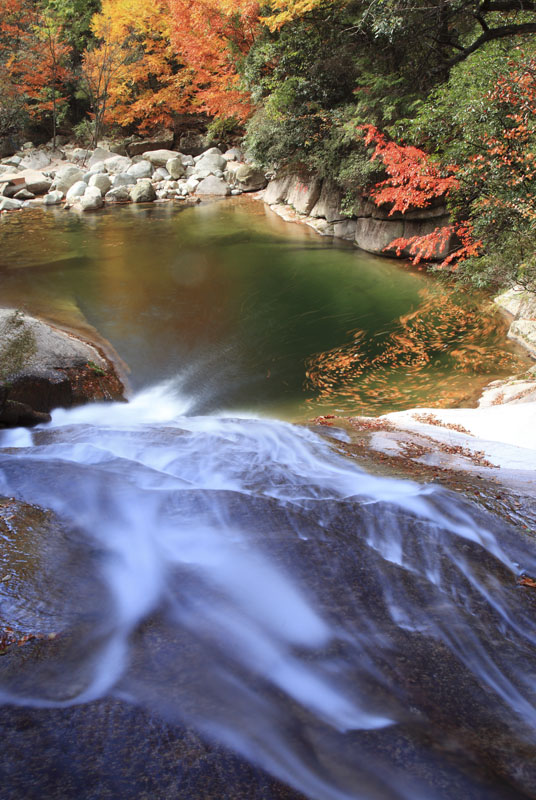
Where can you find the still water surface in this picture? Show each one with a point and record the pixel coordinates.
(253, 313)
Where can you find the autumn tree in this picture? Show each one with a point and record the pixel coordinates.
(131, 73)
(210, 38)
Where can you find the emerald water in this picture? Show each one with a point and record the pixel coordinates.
(250, 312)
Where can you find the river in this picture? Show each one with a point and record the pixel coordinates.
(241, 611)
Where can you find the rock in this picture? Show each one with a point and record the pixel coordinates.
(123, 179)
(213, 186)
(191, 184)
(117, 165)
(191, 143)
(141, 169)
(161, 174)
(345, 229)
(143, 192)
(303, 193)
(374, 235)
(187, 161)
(10, 204)
(508, 391)
(523, 331)
(36, 182)
(175, 167)
(65, 178)
(120, 194)
(24, 194)
(9, 186)
(92, 199)
(212, 151)
(80, 155)
(277, 190)
(43, 367)
(233, 154)
(76, 190)
(119, 148)
(164, 139)
(159, 158)
(250, 178)
(37, 159)
(235, 192)
(102, 182)
(13, 161)
(328, 204)
(99, 154)
(210, 162)
(97, 168)
(518, 302)
(53, 198)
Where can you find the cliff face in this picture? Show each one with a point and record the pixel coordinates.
(319, 204)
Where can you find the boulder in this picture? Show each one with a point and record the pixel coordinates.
(303, 193)
(102, 182)
(250, 178)
(65, 177)
(141, 169)
(53, 198)
(523, 331)
(175, 167)
(36, 159)
(191, 184)
(162, 140)
(24, 194)
(187, 160)
(97, 168)
(92, 199)
(210, 162)
(10, 204)
(161, 174)
(120, 194)
(159, 158)
(117, 164)
(36, 182)
(518, 302)
(76, 190)
(99, 154)
(233, 154)
(123, 179)
(80, 155)
(213, 186)
(42, 368)
(143, 192)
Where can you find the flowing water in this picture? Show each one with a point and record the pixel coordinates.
(236, 577)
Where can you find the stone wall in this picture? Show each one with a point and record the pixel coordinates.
(319, 203)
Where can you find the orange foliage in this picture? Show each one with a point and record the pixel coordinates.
(33, 56)
(208, 37)
(414, 181)
(135, 63)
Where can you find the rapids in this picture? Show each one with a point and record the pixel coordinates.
(355, 636)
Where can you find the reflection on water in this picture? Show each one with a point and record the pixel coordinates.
(254, 313)
(426, 359)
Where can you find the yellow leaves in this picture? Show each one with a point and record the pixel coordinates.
(285, 11)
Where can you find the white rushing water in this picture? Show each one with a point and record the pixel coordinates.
(252, 582)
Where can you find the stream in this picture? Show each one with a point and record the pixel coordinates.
(236, 609)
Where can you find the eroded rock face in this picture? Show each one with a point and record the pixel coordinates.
(42, 367)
